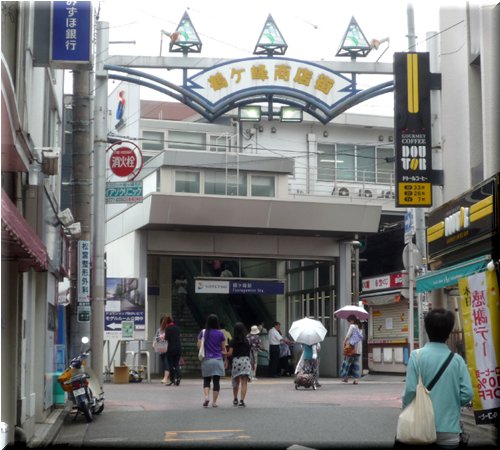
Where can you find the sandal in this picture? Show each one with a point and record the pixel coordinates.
(214, 405)
(235, 402)
(242, 403)
(355, 382)
(345, 380)
(205, 403)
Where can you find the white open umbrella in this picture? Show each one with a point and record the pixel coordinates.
(307, 331)
(351, 310)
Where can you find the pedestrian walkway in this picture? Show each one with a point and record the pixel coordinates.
(266, 393)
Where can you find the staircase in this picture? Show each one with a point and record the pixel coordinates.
(189, 338)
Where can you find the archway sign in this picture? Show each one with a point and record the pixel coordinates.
(221, 85)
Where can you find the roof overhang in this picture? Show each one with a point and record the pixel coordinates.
(246, 216)
(19, 240)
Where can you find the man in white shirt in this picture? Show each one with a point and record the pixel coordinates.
(275, 339)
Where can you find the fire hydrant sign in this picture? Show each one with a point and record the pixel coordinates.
(125, 160)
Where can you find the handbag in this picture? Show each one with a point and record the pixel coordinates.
(416, 425)
(160, 346)
(349, 350)
(201, 352)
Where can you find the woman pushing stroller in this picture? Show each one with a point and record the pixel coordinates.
(307, 369)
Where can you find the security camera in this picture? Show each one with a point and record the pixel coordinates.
(491, 266)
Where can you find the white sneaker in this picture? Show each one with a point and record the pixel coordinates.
(254, 379)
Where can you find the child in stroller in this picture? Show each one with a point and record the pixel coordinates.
(306, 372)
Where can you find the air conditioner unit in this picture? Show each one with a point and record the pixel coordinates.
(66, 217)
(344, 192)
(365, 193)
(50, 162)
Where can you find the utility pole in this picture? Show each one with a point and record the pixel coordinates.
(98, 234)
(81, 189)
(418, 213)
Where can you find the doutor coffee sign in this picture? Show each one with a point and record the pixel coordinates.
(412, 127)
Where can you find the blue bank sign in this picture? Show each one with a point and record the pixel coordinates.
(71, 33)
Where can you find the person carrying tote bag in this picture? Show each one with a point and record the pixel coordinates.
(453, 389)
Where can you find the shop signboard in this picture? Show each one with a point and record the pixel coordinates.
(412, 128)
(464, 220)
(481, 319)
(395, 280)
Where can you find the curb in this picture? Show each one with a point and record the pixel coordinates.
(45, 433)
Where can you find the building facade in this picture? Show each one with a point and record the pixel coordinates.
(34, 245)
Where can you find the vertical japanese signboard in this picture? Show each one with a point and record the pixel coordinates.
(83, 282)
(412, 128)
(71, 33)
(481, 317)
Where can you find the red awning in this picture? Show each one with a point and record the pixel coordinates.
(19, 240)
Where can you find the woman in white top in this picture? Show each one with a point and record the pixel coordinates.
(351, 366)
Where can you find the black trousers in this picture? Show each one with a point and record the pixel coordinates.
(274, 359)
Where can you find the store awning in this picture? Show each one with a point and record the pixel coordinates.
(19, 240)
(450, 275)
(385, 298)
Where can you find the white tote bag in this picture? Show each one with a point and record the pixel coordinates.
(201, 352)
(416, 423)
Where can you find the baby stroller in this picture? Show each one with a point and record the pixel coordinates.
(305, 375)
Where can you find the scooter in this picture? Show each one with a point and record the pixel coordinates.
(81, 385)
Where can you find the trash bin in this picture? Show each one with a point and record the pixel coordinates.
(121, 375)
(59, 395)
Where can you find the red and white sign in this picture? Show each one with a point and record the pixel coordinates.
(125, 159)
(389, 281)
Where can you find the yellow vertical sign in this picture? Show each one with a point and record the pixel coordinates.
(412, 71)
(481, 318)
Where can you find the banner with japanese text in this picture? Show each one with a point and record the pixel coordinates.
(481, 317)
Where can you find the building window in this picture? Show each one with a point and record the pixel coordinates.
(365, 163)
(153, 140)
(225, 183)
(220, 143)
(344, 162)
(262, 186)
(187, 182)
(180, 140)
(385, 165)
(348, 162)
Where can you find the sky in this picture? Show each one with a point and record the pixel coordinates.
(312, 29)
